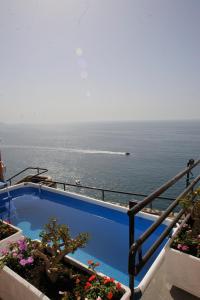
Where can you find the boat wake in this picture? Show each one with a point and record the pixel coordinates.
(73, 150)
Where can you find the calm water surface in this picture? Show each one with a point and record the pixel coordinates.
(94, 153)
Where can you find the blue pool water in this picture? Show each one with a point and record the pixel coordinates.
(108, 228)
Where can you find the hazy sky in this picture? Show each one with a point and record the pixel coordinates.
(86, 60)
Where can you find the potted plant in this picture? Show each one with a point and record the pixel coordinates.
(96, 286)
(8, 234)
(183, 254)
(49, 274)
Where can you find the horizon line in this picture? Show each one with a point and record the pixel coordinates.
(98, 121)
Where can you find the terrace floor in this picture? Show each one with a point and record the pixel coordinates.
(160, 289)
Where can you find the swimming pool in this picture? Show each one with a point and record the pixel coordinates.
(31, 206)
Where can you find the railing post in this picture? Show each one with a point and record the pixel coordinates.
(151, 206)
(189, 164)
(103, 195)
(131, 241)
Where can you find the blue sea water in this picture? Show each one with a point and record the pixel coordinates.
(94, 152)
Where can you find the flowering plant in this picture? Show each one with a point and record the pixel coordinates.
(18, 255)
(188, 240)
(6, 230)
(187, 243)
(42, 263)
(95, 287)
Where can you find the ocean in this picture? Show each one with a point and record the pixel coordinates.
(94, 153)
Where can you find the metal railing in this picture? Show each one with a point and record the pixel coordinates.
(135, 250)
(39, 170)
(102, 190)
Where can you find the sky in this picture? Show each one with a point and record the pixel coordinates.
(99, 60)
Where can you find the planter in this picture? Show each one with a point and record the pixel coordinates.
(14, 287)
(83, 267)
(21, 289)
(12, 238)
(183, 271)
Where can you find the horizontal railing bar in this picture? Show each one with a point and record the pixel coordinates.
(155, 246)
(145, 195)
(104, 190)
(26, 169)
(97, 189)
(155, 225)
(160, 190)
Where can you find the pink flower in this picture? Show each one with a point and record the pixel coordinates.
(4, 251)
(179, 246)
(22, 245)
(185, 248)
(99, 298)
(14, 254)
(30, 260)
(23, 262)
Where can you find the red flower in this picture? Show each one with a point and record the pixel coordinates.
(92, 277)
(87, 285)
(110, 295)
(118, 286)
(90, 262)
(97, 264)
(107, 280)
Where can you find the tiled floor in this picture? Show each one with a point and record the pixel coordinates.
(159, 289)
